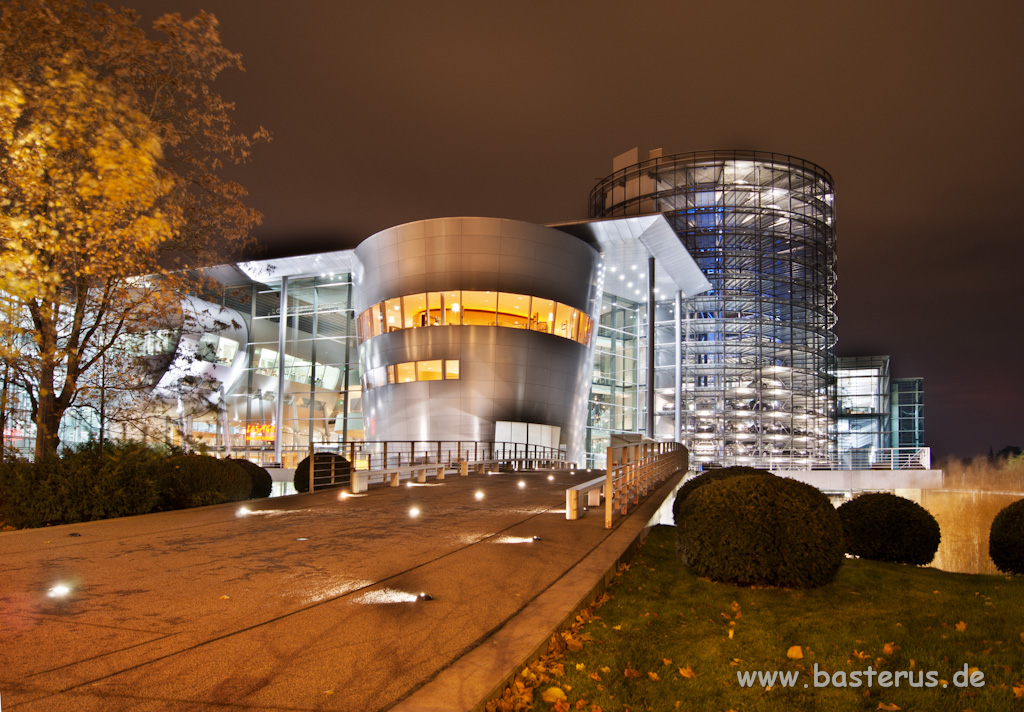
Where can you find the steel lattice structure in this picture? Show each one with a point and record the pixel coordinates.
(756, 353)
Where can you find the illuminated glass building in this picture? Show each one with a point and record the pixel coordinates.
(496, 330)
(744, 372)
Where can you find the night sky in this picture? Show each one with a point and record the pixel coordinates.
(388, 112)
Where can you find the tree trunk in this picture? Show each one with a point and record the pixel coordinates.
(48, 415)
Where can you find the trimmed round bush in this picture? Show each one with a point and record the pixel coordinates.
(198, 480)
(757, 530)
(322, 464)
(1006, 539)
(262, 483)
(707, 478)
(884, 527)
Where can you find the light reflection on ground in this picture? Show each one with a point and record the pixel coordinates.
(331, 589)
(386, 595)
(513, 540)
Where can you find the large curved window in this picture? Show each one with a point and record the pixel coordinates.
(475, 308)
(434, 370)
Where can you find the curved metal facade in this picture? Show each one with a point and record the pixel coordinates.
(504, 374)
(758, 349)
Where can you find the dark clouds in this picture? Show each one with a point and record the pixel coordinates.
(388, 112)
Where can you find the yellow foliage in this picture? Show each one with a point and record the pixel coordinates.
(553, 695)
(108, 186)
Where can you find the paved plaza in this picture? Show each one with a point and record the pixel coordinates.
(306, 602)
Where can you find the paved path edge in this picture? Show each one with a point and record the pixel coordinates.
(482, 673)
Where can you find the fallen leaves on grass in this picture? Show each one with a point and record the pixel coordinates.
(888, 707)
(687, 672)
(630, 672)
(795, 652)
(553, 695)
(961, 627)
(653, 676)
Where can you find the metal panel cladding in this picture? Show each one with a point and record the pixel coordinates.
(507, 369)
(758, 349)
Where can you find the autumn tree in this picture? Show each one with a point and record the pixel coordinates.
(112, 151)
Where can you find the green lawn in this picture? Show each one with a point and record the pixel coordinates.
(660, 623)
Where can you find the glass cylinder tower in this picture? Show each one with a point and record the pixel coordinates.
(745, 370)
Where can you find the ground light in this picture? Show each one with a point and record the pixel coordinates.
(479, 495)
(551, 478)
(243, 511)
(414, 512)
(390, 595)
(59, 591)
(521, 484)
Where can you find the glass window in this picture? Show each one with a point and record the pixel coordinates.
(296, 370)
(565, 321)
(375, 320)
(452, 308)
(586, 324)
(435, 317)
(361, 326)
(393, 315)
(329, 377)
(479, 308)
(428, 370)
(226, 350)
(513, 310)
(451, 370)
(414, 307)
(542, 315)
(266, 362)
(207, 348)
(406, 372)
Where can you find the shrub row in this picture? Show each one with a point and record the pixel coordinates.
(83, 485)
(118, 480)
(748, 526)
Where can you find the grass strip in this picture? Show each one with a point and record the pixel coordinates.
(663, 639)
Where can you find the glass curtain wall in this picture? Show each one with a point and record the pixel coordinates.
(321, 397)
(864, 415)
(757, 350)
(907, 412)
(616, 394)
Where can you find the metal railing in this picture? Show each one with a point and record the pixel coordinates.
(887, 458)
(385, 455)
(890, 458)
(635, 469)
